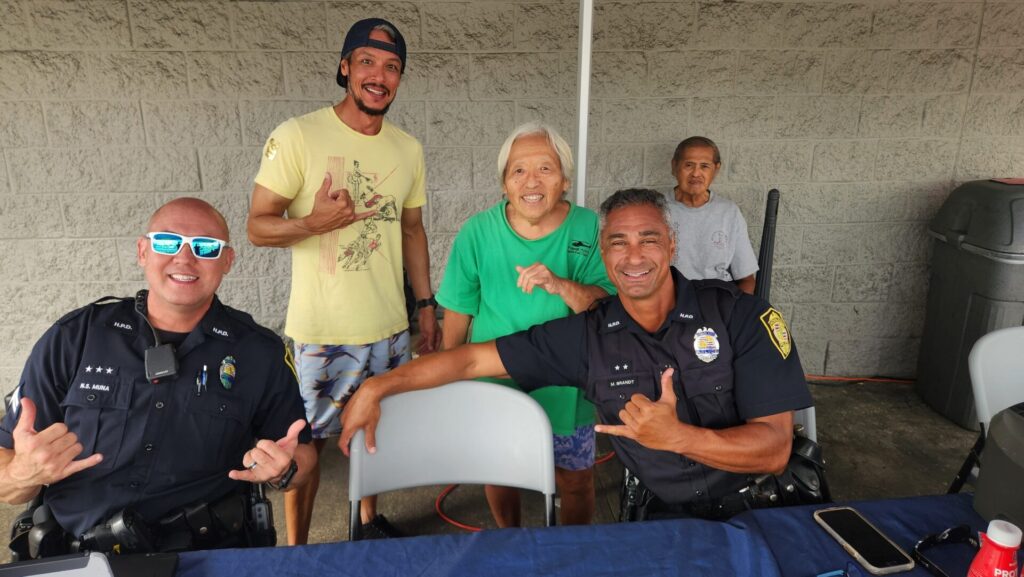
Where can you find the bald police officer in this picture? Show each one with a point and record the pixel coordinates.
(166, 405)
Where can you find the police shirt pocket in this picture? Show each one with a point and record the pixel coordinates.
(710, 392)
(217, 436)
(96, 411)
(612, 392)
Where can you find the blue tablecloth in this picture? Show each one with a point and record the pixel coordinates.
(767, 542)
(655, 548)
(802, 548)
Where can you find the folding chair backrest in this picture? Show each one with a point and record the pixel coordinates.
(463, 432)
(807, 418)
(997, 372)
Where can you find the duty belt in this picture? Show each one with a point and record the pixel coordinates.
(242, 518)
(713, 510)
(638, 503)
(202, 525)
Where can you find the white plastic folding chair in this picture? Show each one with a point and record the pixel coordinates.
(996, 364)
(997, 372)
(463, 432)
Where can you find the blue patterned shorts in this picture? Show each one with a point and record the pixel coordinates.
(575, 452)
(330, 374)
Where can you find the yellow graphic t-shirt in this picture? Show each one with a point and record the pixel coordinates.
(346, 284)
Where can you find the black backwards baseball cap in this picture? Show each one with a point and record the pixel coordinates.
(359, 36)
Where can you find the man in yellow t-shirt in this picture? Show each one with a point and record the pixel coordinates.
(353, 188)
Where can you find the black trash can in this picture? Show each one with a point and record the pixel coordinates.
(976, 287)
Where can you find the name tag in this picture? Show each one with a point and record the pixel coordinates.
(94, 387)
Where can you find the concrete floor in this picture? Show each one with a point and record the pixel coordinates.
(879, 440)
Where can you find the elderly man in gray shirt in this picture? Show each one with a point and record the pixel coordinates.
(712, 234)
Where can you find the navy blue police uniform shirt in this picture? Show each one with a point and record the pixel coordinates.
(164, 445)
(734, 360)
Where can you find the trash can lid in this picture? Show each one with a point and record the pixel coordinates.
(985, 216)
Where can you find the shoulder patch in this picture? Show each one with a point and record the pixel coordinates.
(290, 361)
(777, 330)
(14, 401)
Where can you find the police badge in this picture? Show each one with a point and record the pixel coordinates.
(227, 372)
(705, 344)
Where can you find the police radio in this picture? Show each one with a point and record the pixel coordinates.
(161, 362)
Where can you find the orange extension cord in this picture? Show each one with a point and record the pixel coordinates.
(447, 491)
(858, 379)
(608, 456)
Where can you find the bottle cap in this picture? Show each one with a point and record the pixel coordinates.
(1004, 533)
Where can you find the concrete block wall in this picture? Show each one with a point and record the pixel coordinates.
(865, 113)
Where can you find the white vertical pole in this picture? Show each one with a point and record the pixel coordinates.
(583, 98)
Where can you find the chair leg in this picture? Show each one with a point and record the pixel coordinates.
(965, 470)
(355, 524)
(549, 510)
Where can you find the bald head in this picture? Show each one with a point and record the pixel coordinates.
(193, 209)
(182, 285)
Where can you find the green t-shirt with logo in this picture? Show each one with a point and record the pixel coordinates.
(480, 281)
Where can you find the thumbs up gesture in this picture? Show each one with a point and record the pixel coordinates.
(269, 460)
(653, 424)
(44, 457)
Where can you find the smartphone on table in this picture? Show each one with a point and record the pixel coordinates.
(863, 541)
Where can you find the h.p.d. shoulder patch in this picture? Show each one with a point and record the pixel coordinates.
(778, 332)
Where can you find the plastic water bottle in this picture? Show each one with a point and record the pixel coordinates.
(998, 554)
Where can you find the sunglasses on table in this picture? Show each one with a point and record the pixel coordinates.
(953, 535)
(170, 243)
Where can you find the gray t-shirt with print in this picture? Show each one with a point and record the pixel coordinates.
(712, 240)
